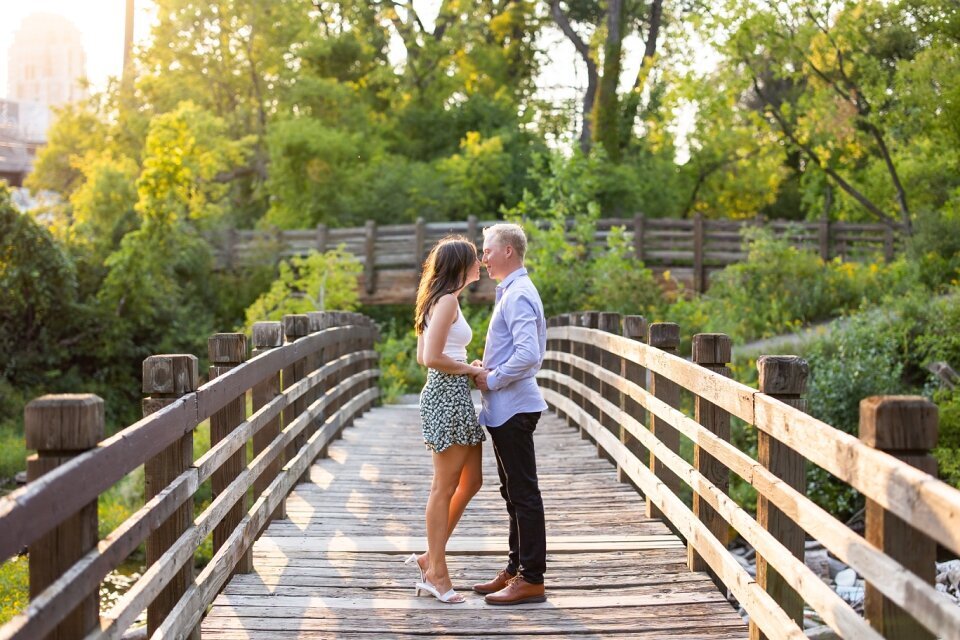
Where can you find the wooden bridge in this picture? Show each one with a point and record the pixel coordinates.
(690, 249)
(308, 535)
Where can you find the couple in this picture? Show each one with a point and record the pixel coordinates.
(511, 407)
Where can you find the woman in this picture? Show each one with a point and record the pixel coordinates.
(450, 427)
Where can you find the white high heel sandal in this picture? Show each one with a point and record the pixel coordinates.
(413, 558)
(450, 597)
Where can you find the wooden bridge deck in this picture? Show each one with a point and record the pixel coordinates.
(333, 569)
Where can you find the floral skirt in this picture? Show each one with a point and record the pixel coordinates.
(447, 413)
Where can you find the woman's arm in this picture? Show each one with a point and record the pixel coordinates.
(442, 316)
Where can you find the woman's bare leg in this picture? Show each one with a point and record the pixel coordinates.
(447, 470)
(471, 479)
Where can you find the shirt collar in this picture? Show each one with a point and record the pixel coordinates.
(510, 279)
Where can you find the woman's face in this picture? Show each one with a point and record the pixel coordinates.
(473, 271)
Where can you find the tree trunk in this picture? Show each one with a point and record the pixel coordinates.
(606, 114)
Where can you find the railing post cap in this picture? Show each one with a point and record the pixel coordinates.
(64, 422)
(296, 325)
(267, 334)
(664, 335)
(175, 374)
(783, 375)
(227, 348)
(712, 348)
(575, 319)
(609, 321)
(589, 319)
(899, 423)
(317, 320)
(635, 327)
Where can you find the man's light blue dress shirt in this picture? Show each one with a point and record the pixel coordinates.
(516, 344)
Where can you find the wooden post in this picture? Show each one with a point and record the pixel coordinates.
(563, 346)
(888, 242)
(226, 351)
(295, 326)
(550, 365)
(59, 428)
(370, 250)
(576, 348)
(230, 249)
(609, 322)
(638, 236)
(591, 320)
(666, 337)
(472, 235)
(712, 351)
(824, 233)
(906, 427)
(783, 378)
(165, 379)
(266, 336)
(322, 238)
(419, 246)
(699, 281)
(635, 328)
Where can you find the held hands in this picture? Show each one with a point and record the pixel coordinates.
(480, 376)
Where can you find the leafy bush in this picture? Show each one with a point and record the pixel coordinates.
(37, 293)
(779, 288)
(314, 282)
(934, 247)
(14, 587)
(947, 451)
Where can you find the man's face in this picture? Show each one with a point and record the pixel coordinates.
(495, 257)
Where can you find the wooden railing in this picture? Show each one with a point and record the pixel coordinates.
(309, 376)
(691, 249)
(596, 375)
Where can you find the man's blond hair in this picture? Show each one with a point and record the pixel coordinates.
(511, 234)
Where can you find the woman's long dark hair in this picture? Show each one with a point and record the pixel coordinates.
(444, 271)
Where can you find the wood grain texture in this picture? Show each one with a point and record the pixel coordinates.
(334, 568)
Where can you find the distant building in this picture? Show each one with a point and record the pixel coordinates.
(46, 61)
(23, 129)
(46, 64)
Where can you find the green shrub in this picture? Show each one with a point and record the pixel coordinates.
(14, 587)
(859, 359)
(947, 451)
(314, 282)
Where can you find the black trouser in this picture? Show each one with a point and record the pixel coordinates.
(517, 466)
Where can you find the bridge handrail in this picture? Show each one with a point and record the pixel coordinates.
(333, 392)
(919, 498)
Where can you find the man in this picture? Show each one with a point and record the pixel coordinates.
(512, 403)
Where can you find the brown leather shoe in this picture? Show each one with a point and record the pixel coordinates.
(518, 591)
(494, 585)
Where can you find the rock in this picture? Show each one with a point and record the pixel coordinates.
(835, 566)
(846, 578)
(819, 563)
(823, 632)
(852, 595)
(20, 478)
(812, 545)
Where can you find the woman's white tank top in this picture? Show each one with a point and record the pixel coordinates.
(458, 338)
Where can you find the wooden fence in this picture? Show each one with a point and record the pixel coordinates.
(690, 249)
(596, 375)
(309, 376)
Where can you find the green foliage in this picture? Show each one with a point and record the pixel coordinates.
(37, 293)
(780, 288)
(570, 274)
(316, 282)
(14, 587)
(947, 451)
